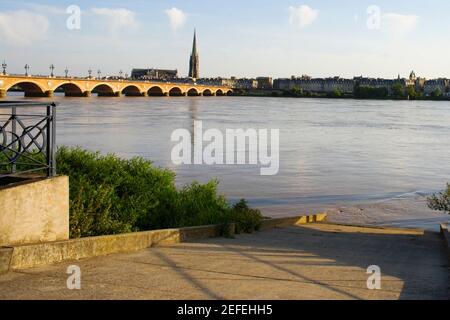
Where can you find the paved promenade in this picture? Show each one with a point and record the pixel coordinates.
(308, 262)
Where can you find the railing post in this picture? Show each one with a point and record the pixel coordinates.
(14, 137)
(53, 140)
(48, 151)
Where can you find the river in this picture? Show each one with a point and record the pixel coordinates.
(332, 152)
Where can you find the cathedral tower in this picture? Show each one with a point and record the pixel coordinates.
(194, 63)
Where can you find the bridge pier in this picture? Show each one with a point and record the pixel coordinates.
(86, 94)
(166, 94)
(46, 94)
(117, 94)
(74, 94)
(133, 94)
(108, 94)
(3, 93)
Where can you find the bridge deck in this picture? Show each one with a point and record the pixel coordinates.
(46, 86)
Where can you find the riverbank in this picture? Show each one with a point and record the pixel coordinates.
(274, 93)
(409, 211)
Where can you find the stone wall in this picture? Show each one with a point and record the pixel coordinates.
(34, 211)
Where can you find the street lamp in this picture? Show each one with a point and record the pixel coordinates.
(66, 72)
(120, 73)
(52, 68)
(99, 73)
(90, 73)
(27, 67)
(4, 65)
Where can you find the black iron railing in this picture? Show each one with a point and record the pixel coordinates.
(27, 138)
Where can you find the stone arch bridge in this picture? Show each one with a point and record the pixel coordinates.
(35, 86)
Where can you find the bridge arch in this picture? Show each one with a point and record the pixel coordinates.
(193, 92)
(70, 89)
(207, 92)
(29, 88)
(175, 92)
(219, 93)
(229, 92)
(155, 91)
(131, 91)
(103, 90)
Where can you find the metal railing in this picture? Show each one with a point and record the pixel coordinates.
(27, 138)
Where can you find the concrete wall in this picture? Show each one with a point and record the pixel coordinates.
(35, 211)
(284, 222)
(38, 254)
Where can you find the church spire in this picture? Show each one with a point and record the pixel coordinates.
(194, 46)
(194, 63)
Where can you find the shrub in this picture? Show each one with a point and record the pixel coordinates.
(441, 201)
(110, 195)
(193, 205)
(246, 219)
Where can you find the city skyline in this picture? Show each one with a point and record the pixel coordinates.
(278, 40)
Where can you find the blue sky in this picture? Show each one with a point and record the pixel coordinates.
(236, 38)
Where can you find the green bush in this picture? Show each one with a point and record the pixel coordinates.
(110, 195)
(246, 219)
(441, 201)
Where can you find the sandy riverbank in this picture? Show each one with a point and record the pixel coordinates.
(402, 212)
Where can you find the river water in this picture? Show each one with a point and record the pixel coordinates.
(331, 151)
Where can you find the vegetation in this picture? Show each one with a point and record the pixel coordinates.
(294, 92)
(436, 94)
(247, 220)
(363, 92)
(110, 195)
(336, 93)
(398, 91)
(440, 201)
(412, 93)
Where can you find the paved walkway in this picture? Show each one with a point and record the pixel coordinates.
(309, 262)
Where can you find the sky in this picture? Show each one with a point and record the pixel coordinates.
(250, 38)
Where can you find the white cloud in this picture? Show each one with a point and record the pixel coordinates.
(46, 9)
(398, 23)
(117, 18)
(177, 18)
(302, 16)
(23, 27)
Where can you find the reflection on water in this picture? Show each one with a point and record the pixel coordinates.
(330, 150)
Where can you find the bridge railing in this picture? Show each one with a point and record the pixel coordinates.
(27, 138)
(175, 81)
